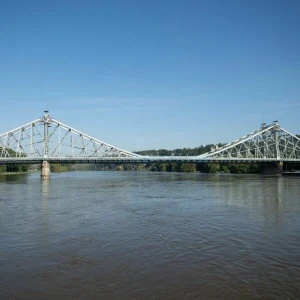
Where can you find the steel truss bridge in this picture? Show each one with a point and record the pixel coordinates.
(47, 139)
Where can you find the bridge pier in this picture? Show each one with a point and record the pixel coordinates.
(271, 168)
(45, 170)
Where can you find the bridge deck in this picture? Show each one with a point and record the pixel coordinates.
(145, 159)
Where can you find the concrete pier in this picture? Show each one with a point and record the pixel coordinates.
(45, 170)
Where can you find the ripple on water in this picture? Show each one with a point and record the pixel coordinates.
(131, 235)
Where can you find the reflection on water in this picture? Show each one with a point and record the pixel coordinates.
(140, 235)
(45, 214)
(14, 178)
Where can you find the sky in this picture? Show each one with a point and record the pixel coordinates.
(151, 74)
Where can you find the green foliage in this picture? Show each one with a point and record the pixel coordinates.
(172, 167)
(13, 167)
(178, 152)
(229, 168)
(213, 167)
(2, 168)
(208, 167)
(128, 167)
(254, 168)
(159, 167)
(188, 167)
(57, 168)
(140, 167)
(239, 168)
(24, 168)
(225, 169)
(244, 168)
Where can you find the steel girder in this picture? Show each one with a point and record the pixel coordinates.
(47, 138)
(268, 142)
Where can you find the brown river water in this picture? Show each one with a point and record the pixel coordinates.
(143, 235)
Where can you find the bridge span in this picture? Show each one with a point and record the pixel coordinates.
(144, 159)
(47, 140)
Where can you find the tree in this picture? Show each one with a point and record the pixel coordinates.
(140, 167)
(225, 169)
(188, 167)
(209, 167)
(171, 167)
(56, 168)
(128, 167)
(158, 167)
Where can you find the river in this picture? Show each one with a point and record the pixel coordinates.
(146, 235)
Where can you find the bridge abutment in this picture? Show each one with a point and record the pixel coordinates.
(45, 170)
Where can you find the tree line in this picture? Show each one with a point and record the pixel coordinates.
(181, 167)
(12, 167)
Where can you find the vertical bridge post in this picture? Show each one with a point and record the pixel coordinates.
(45, 168)
(279, 164)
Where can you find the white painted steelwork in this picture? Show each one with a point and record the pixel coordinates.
(269, 142)
(49, 139)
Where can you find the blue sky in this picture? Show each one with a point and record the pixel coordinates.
(152, 74)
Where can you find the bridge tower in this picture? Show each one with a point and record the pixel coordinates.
(279, 164)
(45, 167)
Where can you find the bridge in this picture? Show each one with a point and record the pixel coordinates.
(47, 140)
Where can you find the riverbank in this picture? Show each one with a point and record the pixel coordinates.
(18, 173)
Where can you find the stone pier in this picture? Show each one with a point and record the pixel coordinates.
(45, 170)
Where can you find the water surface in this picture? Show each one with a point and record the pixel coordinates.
(143, 235)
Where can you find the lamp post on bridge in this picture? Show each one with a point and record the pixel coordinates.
(45, 168)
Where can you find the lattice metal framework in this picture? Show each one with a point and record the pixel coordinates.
(48, 138)
(269, 142)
